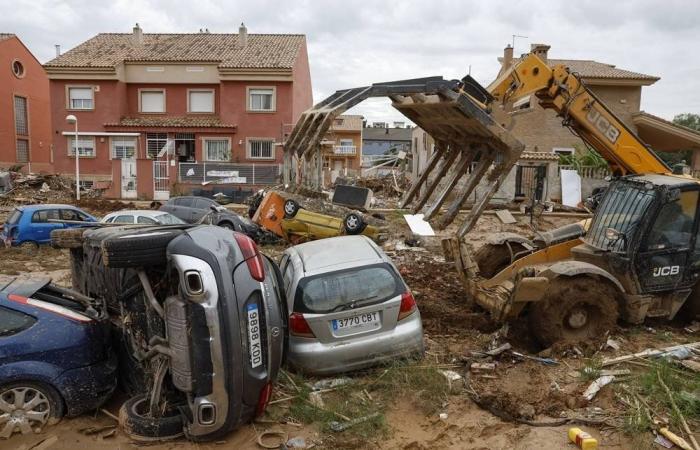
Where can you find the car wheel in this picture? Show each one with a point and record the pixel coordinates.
(574, 310)
(227, 225)
(138, 249)
(354, 224)
(139, 426)
(67, 238)
(291, 208)
(26, 406)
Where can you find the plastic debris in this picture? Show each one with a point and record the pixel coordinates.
(596, 386)
(330, 383)
(296, 442)
(316, 400)
(677, 354)
(443, 416)
(546, 361)
(613, 344)
(342, 426)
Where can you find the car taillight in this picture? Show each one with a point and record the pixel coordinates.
(408, 305)
(252, 256)
(298, 326)
(56, 309)
(264, 399)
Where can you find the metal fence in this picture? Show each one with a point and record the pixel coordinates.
(206, 173)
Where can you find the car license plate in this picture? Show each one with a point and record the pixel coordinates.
(254, 344)
(354, 324)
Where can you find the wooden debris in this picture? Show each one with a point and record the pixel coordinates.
(679, 414)
(505, 216)
(691, 364)
(481, 367)
(679, 441)
(647, 353)
(498, 350)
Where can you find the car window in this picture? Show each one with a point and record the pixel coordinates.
(203, 203)
(14, 217)
(183, 201)
(82, 215)
(343, 289)
(69, 214)
(169, 219)
(110, 220)
(144, 219)
(45, 215)
(124, 219)
(12, 322)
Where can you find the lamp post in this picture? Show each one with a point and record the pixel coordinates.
(71, 119)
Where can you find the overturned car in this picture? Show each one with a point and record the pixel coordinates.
(198, 320)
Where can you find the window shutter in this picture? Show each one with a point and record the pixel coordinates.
(152, 102)
(201, 101)
(81, 93)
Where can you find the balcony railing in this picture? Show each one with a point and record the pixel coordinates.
(344, 149)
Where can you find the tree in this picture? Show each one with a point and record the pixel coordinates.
(688, 120)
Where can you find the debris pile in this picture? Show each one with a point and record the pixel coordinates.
(35, 188)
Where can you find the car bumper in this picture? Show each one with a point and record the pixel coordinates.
(316, 358)
(86, 388)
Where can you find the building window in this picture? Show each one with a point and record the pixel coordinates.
(152, 101)
(21, 122)
(217, 150)
(86, 146)
(22, 150)
(563, 150)
(80, 98)
(155, 142)
(200, 101)
(18, 68)
(261, 149)
(123, 147)
(261, 99)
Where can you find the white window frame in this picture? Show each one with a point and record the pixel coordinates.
(346, 142)
(115, 139)
(249, 98)
(152, 91)
(205, 149)
(69, 99)
(199, 91)
(249, 149)
(564, 150)
(81, 152)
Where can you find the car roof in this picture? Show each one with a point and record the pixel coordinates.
(138, 212)
(671, 180)
(340, 251)
(46, 206)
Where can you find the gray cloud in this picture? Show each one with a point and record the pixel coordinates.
(353, 43)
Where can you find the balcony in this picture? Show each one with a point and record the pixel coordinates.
(348, 150)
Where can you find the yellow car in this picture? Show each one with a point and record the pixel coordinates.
(287, 219)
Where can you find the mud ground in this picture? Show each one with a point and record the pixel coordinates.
(454, 330)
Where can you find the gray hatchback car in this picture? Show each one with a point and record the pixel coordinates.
(348, 307)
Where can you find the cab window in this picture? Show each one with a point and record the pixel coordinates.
(673, 227)
(45, 215)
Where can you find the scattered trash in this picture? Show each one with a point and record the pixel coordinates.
(498, 350)
(546, 361)
(44, 188)
(596, 386)
(505, 216)
(583, 440)
(281, 438)
(95, 430)
(673, 437)
(316, 399)
(443, 416)
(482, 367)
(418, 225)
(647, 353)
(342, 426)
(677, 354)
(330, 383)
(613, 344)
(296, 442)
(691, 364)
(694, 327)
(662, 441)
(451, 377)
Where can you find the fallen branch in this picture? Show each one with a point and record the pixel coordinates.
(647, 353)
(678, 412)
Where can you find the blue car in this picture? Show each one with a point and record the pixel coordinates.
(55, 355)
(32, 225)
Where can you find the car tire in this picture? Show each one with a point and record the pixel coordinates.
(291, 208)
(574, 311)
(354, 224)
(67, 238)
(140, 249)
(50, 404)
(139, 427)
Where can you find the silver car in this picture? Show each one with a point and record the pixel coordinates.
(142, 216)
(348, 307)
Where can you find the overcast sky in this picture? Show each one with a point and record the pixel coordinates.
(354, 43)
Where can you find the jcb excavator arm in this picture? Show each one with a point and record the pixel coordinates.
(563, 91)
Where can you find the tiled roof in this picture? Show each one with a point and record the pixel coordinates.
(347, 122)
(173, 122)
(386, 134)
(539, 156)
(593, 69)
(262, 51)
(4, 36)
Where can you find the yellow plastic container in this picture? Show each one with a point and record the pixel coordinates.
(583, 440)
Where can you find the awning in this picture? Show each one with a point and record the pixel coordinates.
(663, 135)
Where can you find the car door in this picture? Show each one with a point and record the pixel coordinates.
(201, 208)
(41, 225)
(180, 207)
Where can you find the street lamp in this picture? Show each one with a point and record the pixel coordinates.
(71, 119)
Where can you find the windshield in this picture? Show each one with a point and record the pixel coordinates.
(335, 291)
(621, 209)
(14, 217)
(169, 219)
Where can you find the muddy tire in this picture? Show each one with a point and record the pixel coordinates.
(291, 208)
(354, 224)
(67, 238)
(44, 403)
(492, 258)
(139, 249)
(138, 426)
(574, 310)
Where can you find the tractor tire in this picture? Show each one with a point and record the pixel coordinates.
(492, 258)
(574, 310)
(138, 249)
(134, 420)
(67, 238)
